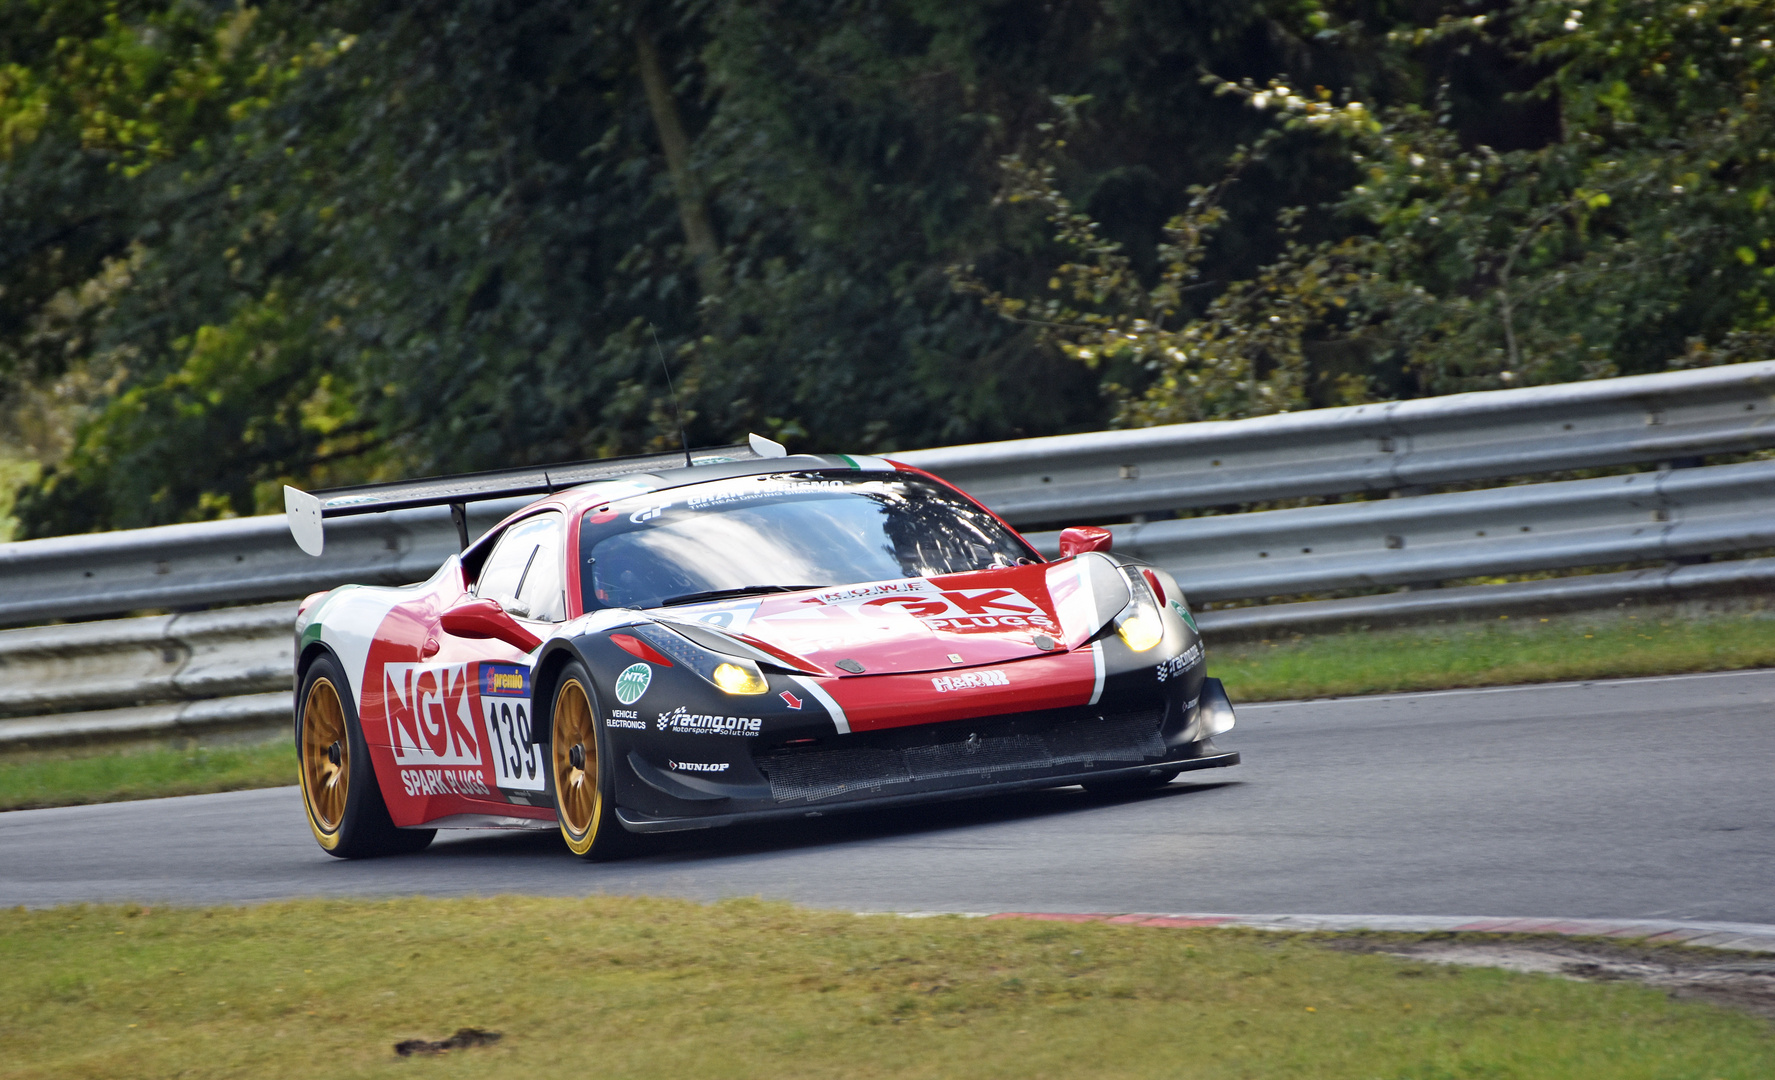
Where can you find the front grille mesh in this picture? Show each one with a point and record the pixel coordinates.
(810, 776)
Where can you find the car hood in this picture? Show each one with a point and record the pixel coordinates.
(928, 624)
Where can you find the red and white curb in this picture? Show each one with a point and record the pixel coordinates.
(1744, 937)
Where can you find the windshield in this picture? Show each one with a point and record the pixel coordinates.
(788, 530)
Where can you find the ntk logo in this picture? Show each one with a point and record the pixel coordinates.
(430, 720)
(633, 682)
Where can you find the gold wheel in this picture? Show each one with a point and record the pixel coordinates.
(326, 761)
(579, 800)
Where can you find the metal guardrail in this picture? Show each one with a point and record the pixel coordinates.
(98, 680)
(155, 676)
(223, 562)
(1392, 446)
(1074, 478)
(1668, 514)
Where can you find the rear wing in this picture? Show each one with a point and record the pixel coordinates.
(307, 512)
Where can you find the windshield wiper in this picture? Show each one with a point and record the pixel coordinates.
(723, 594)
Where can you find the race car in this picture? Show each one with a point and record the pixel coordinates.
(682, 641)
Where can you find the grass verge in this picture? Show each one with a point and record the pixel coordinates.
(1502, 652)
(67, 778)
(659, 988)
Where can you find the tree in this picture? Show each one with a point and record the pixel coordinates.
(333, 242)
(436, 245)
(1633, 237)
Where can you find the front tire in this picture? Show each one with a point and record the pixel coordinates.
(583, 771)
(339, 791)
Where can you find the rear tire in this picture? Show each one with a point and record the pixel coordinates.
(339, 790)
(583, 771)
(1127, 785)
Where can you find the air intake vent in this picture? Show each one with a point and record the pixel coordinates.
(810, 776)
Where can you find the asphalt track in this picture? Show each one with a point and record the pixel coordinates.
(1651, 798)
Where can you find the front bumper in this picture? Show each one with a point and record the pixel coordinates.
(958, 759)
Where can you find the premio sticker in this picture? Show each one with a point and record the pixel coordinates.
(632, 683)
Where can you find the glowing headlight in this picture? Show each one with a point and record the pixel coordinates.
(730, 674)
(1140, 624)
(1141, 629)
(739, 677)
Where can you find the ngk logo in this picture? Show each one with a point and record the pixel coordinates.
(430, 721)
(966, 610)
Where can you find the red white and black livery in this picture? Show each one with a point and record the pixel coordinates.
(680, 641)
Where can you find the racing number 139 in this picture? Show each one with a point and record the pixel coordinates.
(516, 762)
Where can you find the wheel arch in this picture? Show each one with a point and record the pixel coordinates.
(311, 652)
(555, 656)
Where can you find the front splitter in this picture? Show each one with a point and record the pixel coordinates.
(638, 823)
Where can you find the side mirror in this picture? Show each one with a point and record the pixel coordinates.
(478, 617)
(1082, 538)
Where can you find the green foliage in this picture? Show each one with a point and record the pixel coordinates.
(854, 148)
(1620, 246)
(1635, 237)
(347, 240)
(1244, 354)
(428, 250)
(113, 360)
(333, 242)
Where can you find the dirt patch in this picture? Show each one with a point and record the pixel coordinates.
(1737, 980)
(463, 1039)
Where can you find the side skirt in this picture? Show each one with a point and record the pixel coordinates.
(487, 821)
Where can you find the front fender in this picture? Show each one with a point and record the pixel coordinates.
(556, 653)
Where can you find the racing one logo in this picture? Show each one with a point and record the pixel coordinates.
(430, 721)
(633, 682)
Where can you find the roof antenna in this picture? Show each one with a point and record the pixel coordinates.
(682, 441)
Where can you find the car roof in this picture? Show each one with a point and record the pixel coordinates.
(584, 496)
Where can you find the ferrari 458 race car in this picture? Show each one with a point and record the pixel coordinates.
(674, 644)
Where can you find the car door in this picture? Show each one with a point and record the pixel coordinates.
(524, 574)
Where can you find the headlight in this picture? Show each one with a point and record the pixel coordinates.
(729, 674)
(1140, 624)
(739, 677)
